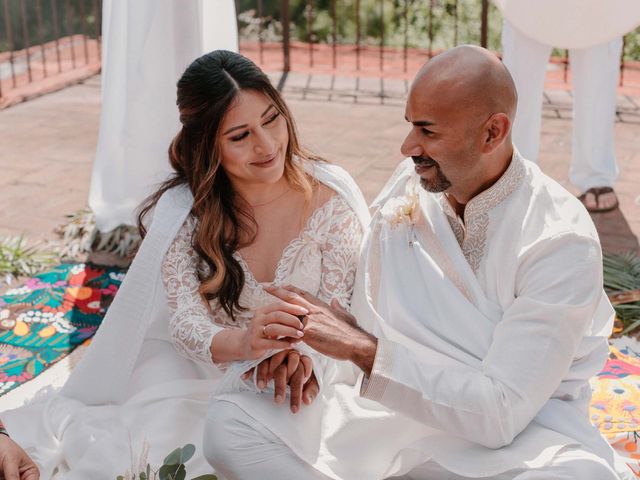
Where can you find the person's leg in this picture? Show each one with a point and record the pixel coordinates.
(526, 60)
(595, 77)
(240, 448)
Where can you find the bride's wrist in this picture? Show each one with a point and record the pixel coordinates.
(229, 345)
(241, 343)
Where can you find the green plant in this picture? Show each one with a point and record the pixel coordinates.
(450, 22)
(18, 259)
(622, 274)
(173, 467)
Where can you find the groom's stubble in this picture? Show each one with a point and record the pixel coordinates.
(439, 183)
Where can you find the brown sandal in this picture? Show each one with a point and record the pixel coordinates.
(596, 192)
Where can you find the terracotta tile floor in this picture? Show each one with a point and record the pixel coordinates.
(356, 120)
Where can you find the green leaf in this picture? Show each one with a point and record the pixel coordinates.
(187, 452)
(166, 472)
(181, 473)
(18, 259)
(174, 457)
(208, 476)
(622, 272)
(631, 327)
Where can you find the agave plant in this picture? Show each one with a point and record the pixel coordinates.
(622, 283)
(80, 236)
(18, 259)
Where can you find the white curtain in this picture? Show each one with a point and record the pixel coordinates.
(147, 44)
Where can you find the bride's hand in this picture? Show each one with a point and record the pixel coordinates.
(289, 367)
(275, 326)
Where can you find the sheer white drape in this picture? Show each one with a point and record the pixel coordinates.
(147, 45)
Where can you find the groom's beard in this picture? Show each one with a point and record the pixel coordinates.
(437, 184)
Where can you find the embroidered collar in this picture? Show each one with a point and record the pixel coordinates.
(494, 195)
(471, 234)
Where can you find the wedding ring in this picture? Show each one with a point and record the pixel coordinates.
(264, 331)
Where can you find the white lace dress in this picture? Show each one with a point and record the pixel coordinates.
(322, 259)
(132, 386)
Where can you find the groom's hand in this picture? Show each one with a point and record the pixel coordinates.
(289, 367)
(330, 329)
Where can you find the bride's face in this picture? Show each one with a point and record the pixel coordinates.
(254, 140)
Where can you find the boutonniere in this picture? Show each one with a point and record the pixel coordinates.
(402, 209)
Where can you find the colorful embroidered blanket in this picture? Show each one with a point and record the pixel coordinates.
(49, 315)
(615, 405)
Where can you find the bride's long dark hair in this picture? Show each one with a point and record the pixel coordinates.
(225, 222)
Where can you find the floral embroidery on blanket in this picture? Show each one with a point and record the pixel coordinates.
(615, 404)
(49, 315)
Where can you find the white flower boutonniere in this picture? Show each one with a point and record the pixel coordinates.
(402, 209)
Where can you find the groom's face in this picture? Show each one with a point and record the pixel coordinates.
(443, 138)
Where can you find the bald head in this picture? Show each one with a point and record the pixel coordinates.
(470, 77)
(461, 107)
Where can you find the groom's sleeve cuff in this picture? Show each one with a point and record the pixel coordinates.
(375, 386)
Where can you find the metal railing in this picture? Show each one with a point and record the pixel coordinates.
(45, 43)
(266, 33)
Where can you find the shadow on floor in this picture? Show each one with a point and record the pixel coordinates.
(615, 234)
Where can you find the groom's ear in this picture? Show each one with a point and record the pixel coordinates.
(496, 130)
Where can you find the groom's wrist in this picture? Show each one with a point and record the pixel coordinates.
(364, 352)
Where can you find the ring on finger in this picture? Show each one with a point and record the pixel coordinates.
(264, 331)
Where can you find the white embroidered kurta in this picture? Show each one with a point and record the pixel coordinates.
(489, 330)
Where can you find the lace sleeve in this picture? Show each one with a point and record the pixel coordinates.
(191, 326)
(340, 254)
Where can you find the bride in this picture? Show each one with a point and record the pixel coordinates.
(246, 207)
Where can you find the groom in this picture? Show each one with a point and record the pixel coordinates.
(478, 315)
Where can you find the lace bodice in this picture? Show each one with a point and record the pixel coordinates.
(322, 259)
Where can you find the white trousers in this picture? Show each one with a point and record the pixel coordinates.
(594, 73)
(240, 448)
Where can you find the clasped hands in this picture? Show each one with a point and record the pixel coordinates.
(299, 316)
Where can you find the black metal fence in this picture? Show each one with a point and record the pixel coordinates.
(42, 39)
(296, 32)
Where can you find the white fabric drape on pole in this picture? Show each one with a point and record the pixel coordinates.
(147, 44)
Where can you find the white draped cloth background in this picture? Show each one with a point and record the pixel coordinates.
(147, 44)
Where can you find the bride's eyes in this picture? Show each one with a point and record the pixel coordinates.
(272, 118)
(245, 134)
(242, 136)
